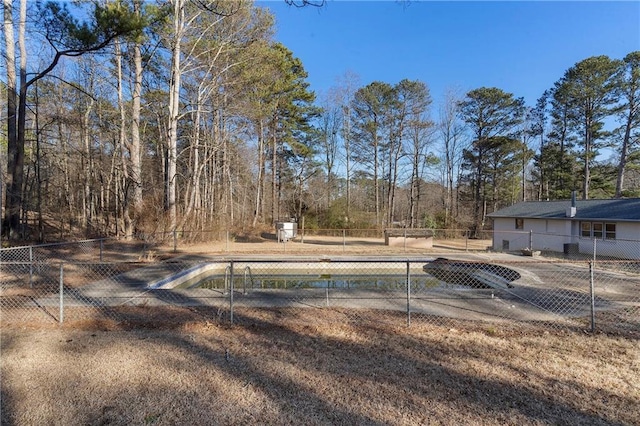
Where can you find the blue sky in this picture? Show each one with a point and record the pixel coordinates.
(520, 47)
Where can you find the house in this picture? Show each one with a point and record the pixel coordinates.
(571, 226)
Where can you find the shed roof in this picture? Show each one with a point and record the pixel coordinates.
(621, 209)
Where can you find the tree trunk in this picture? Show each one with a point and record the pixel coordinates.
(174, 108)
(624, 151)
(16, 121)
(38, 170)
(191, 192)
(12, 207)
(347, 153)
(274, 180)
(479, 196)
(375, 180)
(67, 194)
(124, 146)
(87, 209)
(259, 183)
(135, 147)
(587, 156)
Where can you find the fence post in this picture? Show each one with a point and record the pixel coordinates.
(61, 292)
(31, 266)
(531, 241)
(408, 294)
(231, 293)
(247, 271)
(344, 240)
(175, 241)
(466, 240)
(404, 244)
(593, 296)
(595, 251)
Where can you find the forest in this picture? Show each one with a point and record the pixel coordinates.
(126, 117)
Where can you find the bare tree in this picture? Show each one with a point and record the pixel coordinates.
(67, 37)
(344, 91)
(330, 124)
(135, 146)
(451, 131)
(13, 153)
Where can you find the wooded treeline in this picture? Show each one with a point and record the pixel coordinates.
(187, 115)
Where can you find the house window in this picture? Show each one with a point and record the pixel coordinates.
(598, 230)
(519, 223)
(610, 231)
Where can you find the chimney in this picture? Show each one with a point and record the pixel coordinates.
(571, 211)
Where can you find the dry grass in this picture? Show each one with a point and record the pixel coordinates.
(314, 367)
(167, 366)
(311, 245)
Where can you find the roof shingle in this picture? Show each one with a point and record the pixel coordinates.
(622, 209)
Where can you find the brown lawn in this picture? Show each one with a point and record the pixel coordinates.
(169, 366)
(314, 367)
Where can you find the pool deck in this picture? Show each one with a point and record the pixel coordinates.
(149, 285)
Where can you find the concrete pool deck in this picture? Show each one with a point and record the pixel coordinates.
(533, 298)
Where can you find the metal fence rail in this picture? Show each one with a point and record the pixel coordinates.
(460, 240)
(579, 294)
(344, 241)
(85, 250)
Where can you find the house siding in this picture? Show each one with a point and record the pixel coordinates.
(542, 234)
(555, 226)
(628, 231)
(625, 246)
(553, 234)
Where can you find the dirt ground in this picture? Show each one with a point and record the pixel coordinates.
(301, 246)
(311, 366)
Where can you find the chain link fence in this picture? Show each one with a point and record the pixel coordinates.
(88, 250)
(564, 246)
(602, 295)
(336, 240)
(154, 245)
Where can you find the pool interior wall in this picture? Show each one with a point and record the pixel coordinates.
(378, 275)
